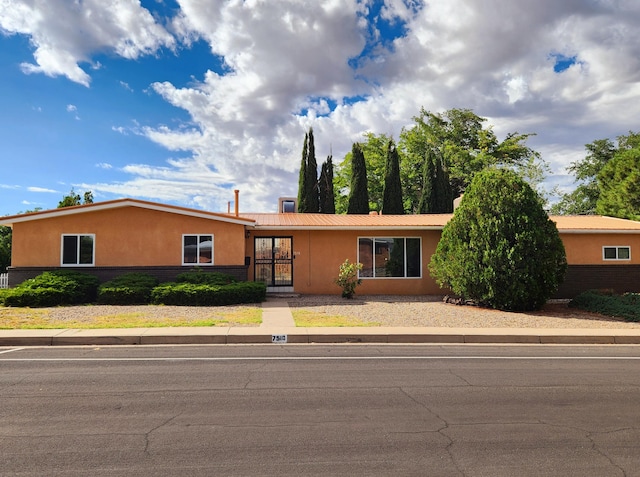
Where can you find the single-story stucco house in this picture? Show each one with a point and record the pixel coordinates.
(291, 252)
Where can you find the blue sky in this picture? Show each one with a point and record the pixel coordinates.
(183, 101)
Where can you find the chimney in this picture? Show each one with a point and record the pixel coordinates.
(237, 205)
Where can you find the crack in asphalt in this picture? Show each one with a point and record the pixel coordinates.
(147, 435)
(439, 431)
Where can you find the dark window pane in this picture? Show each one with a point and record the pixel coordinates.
(190, 249)
(70, 249)
(413, 258)
(205, 248)
(382, 250)
(86, 249)
(610, 253)
(624, 253)
(365, 257)
(395, 262)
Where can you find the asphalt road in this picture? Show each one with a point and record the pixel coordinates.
(320, 410)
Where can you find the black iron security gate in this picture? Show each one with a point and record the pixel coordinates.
(273, 262)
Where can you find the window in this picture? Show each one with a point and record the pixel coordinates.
(197, 249)
(395, 257)
(78, 250)
(616, 253)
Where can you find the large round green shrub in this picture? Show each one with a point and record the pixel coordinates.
(500, 248)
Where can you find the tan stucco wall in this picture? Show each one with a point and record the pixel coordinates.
(318, 255)
(126, 236)
(586, 249)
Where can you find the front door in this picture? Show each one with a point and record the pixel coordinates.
(273, 263)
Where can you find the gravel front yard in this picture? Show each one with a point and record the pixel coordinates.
(431, 311)
(387, 310)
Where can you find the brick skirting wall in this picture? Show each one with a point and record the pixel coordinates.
(579, 278)
(164, 274)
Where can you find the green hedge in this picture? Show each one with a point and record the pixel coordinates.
(191, 294)
(128, 289)
(200, 277)
(196, 288)
(625, 306)
(59, 287)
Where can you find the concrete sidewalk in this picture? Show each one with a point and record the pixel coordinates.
(278, 327)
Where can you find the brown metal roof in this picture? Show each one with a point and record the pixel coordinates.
(274, 221)
(329, 221)
(592, 223)
(566, 224)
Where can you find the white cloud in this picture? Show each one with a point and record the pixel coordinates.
(42, 189)
(104, 165)
(71, 108)
(284, 57)
(66, 34)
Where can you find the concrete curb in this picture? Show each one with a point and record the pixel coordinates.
(255, 335)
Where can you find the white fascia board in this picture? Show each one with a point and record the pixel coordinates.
(64, 211)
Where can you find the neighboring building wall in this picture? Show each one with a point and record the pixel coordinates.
(319, 254)
(586, 248)
(125, 237)
(588, 270)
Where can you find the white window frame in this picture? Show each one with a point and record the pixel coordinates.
(78, 264)
(405, 238)
(198, 264)
(617, 249)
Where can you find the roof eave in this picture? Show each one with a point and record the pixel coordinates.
(99, 206)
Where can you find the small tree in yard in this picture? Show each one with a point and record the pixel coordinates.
(500, 248)
(348, 278)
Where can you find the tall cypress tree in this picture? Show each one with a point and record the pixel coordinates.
(358, 195)
(428, 174)
(302, 180)
(392, 202)
(327, 199)
(313, 199)
(442, 202)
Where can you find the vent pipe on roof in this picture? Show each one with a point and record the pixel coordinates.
(237, 205)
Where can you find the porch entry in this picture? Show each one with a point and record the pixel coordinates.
(273, 262)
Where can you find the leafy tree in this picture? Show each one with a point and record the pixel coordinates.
(75, 199)
(583, 199)
(619, 184)
(500, 248)
(5, 247)
(374, 147)
(327, 199)
(358, 195)
(392, 194)
(465, 146)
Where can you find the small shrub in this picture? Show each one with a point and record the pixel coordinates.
(194, 294)
(3, 293)
(625, 306)
(58, 287)
(210, 278)
(348, 278)
(128, 289)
